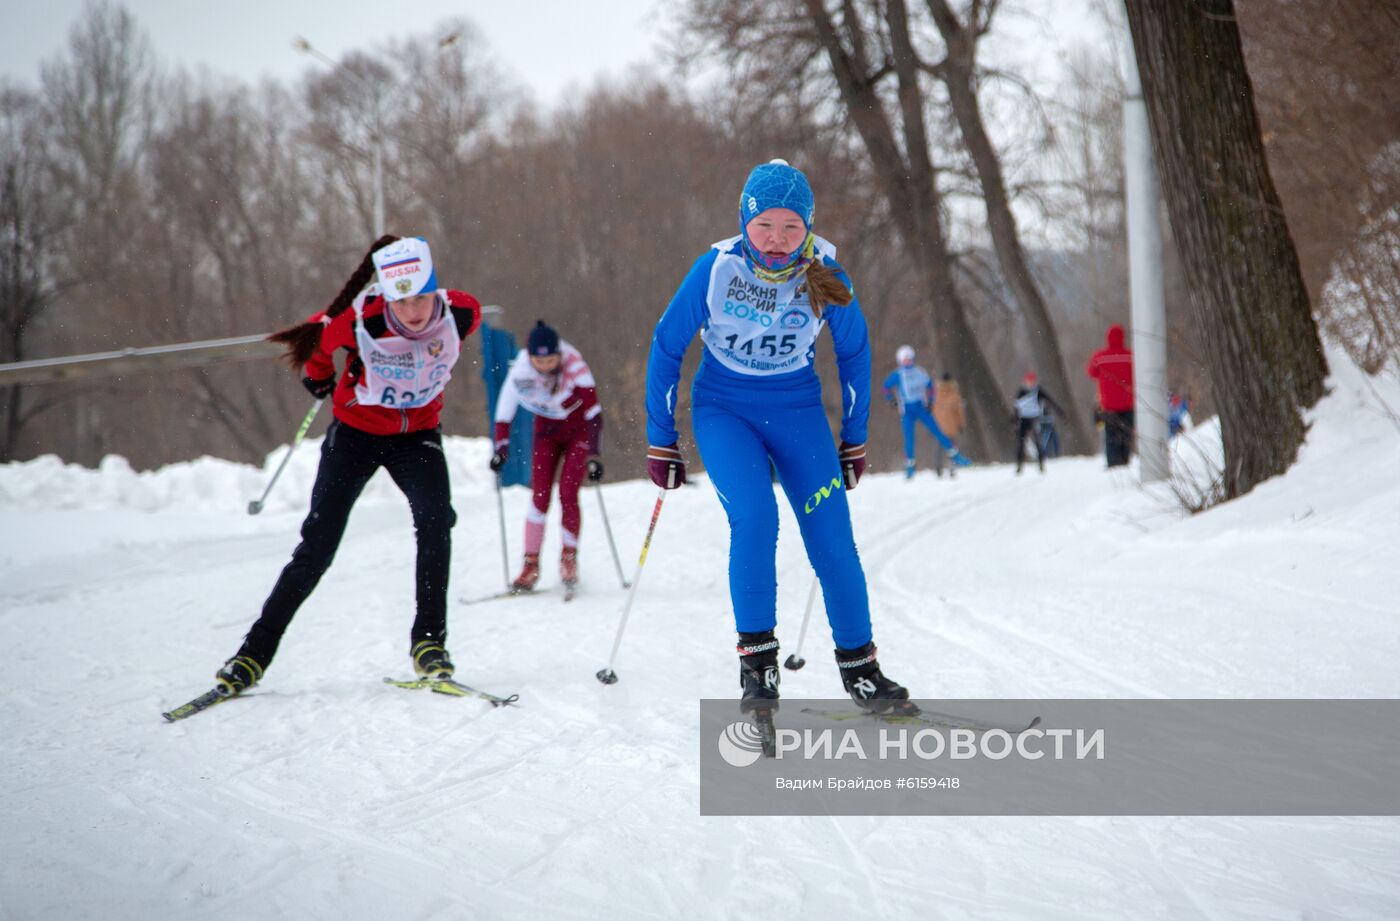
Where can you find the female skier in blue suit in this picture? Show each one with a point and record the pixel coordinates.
(759, 300)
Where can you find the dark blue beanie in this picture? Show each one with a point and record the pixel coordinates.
(543, 340)
(775, 184)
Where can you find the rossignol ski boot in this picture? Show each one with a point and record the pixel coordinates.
(867, 685)
(430, 660)
(237, 675)
(758, 671)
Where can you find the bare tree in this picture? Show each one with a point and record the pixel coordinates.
(1265, 357)
(99, 98)
(33, 215)
(226, 197)
(959, 72)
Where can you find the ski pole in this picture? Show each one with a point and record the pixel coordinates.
(501, 516)
(607, 675)
(257, 504)
(795, 661)
(611, 543)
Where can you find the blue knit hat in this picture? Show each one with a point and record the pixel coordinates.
(775, 184)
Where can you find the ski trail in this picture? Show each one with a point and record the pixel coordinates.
(872, 890)
(1189, 893)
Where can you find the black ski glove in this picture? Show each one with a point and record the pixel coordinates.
(318, 389)
(595, 469)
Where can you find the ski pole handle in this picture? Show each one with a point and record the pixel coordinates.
(257, 504)
(607, 675)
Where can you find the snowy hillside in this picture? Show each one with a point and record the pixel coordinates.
(325, 794)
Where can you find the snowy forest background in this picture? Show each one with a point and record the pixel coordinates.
(144, 205)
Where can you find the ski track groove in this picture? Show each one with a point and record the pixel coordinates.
(874, 894)
(890, 572)
(887, 575)
(1189, 892)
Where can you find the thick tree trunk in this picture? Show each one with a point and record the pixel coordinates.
(1241, 267)
(909, 186)
(957, 72)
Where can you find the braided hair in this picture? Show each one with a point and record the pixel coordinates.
(302, 339)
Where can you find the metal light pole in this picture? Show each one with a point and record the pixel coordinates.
(1145, 274)
(376, 126)
(376, 136)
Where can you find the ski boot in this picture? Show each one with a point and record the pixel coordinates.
(909, 470)
(430, 660)
(758, 676)
(529, 574)
(867, 685)
(568, 567)
(758, 671)
(237, 675)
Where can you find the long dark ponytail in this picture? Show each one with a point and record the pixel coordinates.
(302, 339)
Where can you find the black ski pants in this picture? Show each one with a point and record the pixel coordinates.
(1029, 427)
(1118, 437)
(349, 457)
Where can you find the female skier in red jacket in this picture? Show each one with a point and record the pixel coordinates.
(402, 335)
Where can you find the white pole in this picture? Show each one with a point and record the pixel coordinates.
(1149, 316)
(378, 181)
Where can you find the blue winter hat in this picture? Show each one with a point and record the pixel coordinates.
(543, 340)
(775, 184)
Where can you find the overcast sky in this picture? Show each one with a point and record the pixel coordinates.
(548, 45)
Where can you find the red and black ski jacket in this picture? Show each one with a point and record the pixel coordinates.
(340, 334)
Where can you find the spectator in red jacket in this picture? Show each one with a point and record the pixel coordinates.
(1112, 367)
(402, 335)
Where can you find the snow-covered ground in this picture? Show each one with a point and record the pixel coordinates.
(326, 794)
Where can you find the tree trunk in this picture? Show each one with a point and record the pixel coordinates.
(957, 72)
(1242, 270)
(910, 188)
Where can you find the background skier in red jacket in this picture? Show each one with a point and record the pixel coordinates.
(1112, 367)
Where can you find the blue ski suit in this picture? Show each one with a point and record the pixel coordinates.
(756, 398)
(911, 388)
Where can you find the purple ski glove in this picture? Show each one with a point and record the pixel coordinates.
(665, 466)
(852, 463)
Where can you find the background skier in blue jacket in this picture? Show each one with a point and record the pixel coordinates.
(759, 301)
(911, 389)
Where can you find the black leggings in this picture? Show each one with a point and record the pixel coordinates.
(349, 457)
(1118, 437)
(1029, 427)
